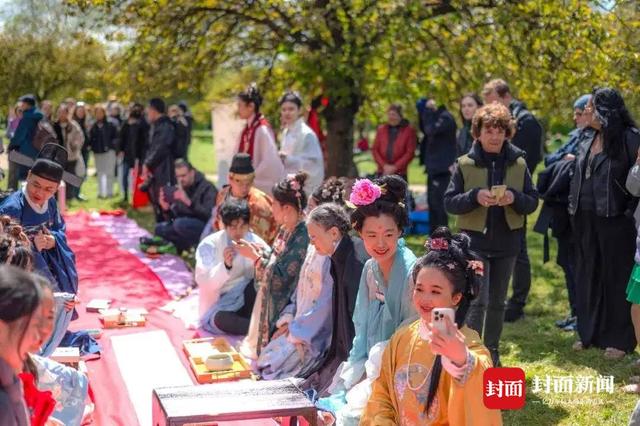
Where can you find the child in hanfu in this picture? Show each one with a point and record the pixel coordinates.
(431, 377)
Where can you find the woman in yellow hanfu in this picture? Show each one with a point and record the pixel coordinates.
(431, 377)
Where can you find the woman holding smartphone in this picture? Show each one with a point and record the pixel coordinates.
(432, 371)
(491, 192)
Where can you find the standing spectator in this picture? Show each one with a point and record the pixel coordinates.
(80, 117)
(553, 185)
(22, 140)
(133, 143)
(186, 207)
(70, 136)
(437, 154)
(469, 104)
(182, 132)
(104, 142)
(300, 149)
(602, 213)
(115, 113)
(529, 138)
(186, 113)
(258, 141)
(158, 161)
(491, 192)
(395, 144)
(46, 107)
(15, 114)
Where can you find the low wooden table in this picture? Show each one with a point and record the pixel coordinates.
(243, 400)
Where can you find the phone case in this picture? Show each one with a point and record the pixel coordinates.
(437, 318)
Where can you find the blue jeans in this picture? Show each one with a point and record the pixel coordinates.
(184, 232)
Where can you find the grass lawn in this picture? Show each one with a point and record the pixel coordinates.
(533, 344)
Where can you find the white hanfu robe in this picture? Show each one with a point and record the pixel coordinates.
(221, 289)
(303, 152)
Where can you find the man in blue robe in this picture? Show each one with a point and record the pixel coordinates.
(35, 208)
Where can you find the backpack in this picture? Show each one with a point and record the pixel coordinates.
(44, 134)
(181, 138)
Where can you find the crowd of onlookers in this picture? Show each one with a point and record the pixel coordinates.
(315, 272)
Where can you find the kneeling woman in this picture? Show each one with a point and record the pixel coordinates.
(381, 305)
(277, 270)
(412, 387)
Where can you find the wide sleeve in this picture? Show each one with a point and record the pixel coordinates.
(380, 409)
(456, 200)
(465, 402)
(312, 324)
(267, 164)
(360, 314)
(309, 158)
(210, 270)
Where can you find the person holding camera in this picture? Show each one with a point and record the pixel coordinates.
(186, 207)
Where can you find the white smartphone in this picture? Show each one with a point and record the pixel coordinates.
(437, 318)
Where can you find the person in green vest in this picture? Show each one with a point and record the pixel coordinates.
(491, 192)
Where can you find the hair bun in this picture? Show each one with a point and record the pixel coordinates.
(301, 177)
(395, 188)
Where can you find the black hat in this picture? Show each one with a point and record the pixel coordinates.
(241, 164)
(49, 164)
(30, 99)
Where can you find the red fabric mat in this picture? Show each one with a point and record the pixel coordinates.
(108, 272)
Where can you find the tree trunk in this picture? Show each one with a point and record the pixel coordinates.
(340, 120)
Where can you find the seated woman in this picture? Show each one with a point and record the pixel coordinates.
(35, 208)
(412, 387)
(224, 278)
(20, 298)
(381, 305)
(304, 328)
(69, 387)
(277, 270)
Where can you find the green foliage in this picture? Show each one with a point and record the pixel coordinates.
(47, 54)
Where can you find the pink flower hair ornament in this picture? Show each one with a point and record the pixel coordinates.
(437, 244)
(364, 192)
(476, 266)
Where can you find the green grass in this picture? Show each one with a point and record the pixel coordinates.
(533, 344)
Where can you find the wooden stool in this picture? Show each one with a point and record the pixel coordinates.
(243, 400)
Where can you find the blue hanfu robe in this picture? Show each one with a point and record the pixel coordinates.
(381, 308)
(69, 387)
(299, 352)
(57, 264)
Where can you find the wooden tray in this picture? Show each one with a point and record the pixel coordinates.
(196, 349)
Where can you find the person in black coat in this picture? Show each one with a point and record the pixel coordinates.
(157, 169)
(186, 208)
(602, 217)
(469, 104)
(529, 138)
(329, 227)
(491, 192)
(437, 154)
(103, 138)
(133, 144)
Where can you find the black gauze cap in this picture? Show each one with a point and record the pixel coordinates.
(50, 162)
(241, 164)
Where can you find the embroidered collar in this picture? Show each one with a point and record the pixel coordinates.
(33, 205)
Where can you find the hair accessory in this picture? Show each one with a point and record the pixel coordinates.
(476, 266)
(437, 244)
(294, 185)
(364, 192)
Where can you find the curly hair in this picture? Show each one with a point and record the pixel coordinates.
(493, 115)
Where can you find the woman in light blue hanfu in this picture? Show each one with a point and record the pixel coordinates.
(383, 302)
